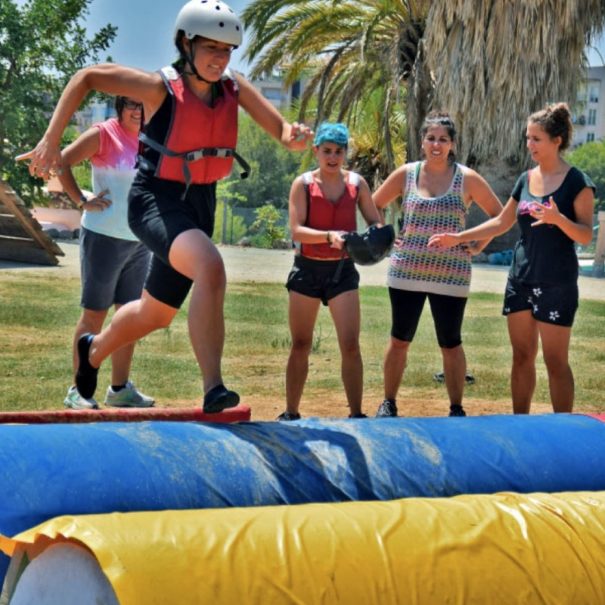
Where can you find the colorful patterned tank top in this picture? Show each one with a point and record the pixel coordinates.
(414, 266)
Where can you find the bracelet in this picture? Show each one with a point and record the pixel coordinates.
(83, 200)
(328, 237)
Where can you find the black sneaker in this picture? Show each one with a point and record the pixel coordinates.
(360, 415)
(457, 410)
(219, 398)
(288, 416)
(387, 409)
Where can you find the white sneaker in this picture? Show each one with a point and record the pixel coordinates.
(75, 401)
(128, 397)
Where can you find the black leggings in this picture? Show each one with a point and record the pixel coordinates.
(447, 311)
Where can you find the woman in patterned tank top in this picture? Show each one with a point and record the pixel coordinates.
(436, 192)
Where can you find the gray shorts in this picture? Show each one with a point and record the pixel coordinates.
(112, 270)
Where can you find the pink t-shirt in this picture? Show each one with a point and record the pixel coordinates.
(117, 146)
(113, 171)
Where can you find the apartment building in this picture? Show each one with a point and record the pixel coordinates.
(272, 87)
(589, 109)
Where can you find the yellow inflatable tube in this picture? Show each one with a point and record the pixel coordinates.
(503, 548)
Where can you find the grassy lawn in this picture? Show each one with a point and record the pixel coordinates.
(38, 315)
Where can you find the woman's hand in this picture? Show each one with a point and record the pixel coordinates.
(443, 240)
(97, 203)
(336, 239)
(299, 135)
(44, 159)
(545, 214)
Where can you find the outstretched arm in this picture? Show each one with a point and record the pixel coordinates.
(292, 136)
(110, 78)
(487, 230)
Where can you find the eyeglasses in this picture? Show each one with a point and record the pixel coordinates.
(133, 105)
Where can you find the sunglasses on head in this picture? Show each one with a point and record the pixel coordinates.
(128, 104)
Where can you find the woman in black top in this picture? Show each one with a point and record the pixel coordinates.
(553, 205)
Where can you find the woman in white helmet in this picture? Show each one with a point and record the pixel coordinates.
(189, 137)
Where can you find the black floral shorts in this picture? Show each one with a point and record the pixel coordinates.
(550, 304)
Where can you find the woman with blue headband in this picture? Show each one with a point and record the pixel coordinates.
(323, 206)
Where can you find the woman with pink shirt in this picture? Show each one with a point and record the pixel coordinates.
(113, 262)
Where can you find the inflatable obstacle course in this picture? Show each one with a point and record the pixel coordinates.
(450, 470)
(502, 548)
(241, 413)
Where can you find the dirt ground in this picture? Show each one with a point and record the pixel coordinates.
(334, 407)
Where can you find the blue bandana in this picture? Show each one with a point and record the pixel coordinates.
(329, 132)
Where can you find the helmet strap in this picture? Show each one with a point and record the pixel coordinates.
(189, 57)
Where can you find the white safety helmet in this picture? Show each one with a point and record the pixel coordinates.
(211, 19)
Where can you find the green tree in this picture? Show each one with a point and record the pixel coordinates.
(42, 43)
(266, 228)
(590, 157)
(228, 228)
(273, 168)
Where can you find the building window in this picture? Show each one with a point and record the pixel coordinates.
(593, 95)
(273, 94)
(589, 137)
(592, 117)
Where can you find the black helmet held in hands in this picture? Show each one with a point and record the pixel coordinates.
(371, 246)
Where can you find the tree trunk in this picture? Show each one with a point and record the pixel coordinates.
(419, 99)
(502, 177)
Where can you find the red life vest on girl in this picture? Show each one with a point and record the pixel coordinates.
(199, 146)
(325, 215)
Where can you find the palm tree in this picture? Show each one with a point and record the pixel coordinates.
(355, 56)
(490, 63)
(494, 62)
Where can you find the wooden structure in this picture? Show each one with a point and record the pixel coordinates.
(21, 236)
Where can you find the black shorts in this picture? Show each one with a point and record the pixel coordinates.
(555, 305)
(157, 215)
(447, 311)
(323, 279)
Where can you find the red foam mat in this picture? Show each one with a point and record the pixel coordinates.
(241, 413)
(600, 417)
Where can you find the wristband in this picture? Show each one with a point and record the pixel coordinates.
(83, 199)
(328, 237)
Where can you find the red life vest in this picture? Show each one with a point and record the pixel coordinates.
(199, 146)
(326, 215)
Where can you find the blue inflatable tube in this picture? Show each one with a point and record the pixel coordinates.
(51, 470)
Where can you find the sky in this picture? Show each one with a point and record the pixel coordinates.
(145, 31)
